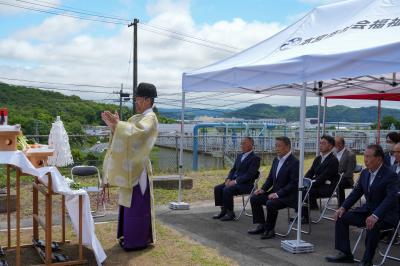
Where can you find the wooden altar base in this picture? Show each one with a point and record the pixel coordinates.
(29, 255)
(45, 224)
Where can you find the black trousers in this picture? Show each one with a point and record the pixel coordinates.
(273, 207)
(342, 241)
(346, 183)
(223, 195)
(323, 191)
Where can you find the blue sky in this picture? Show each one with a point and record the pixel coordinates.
(53, 48)
(203, 11)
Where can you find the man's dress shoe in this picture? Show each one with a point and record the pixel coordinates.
(219, 215)
(268, 234)
(365, 263)
(257, 230)
(229, 216)
(341, 258)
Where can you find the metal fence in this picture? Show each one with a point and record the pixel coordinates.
(210, 151)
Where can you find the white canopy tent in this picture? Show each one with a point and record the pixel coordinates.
(349, 47)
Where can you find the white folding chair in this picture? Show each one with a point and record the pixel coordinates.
(307, 185)
(385, 255)
(255, 186)
(327, 206)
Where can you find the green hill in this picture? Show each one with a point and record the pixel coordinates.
(34, 108)
(334, 114)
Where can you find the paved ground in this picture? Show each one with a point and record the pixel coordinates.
(232, 240)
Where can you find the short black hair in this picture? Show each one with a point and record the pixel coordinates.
(329, 139)
(378, 151)
(393, 136)
(250, 139)
(285, 140)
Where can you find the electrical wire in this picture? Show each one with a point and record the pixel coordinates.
(116, 20)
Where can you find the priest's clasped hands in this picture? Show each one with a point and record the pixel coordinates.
(110, 119)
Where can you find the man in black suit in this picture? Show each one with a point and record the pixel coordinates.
(279, 190)
(347, 163)
(392, 138)
(239, 181)
(324, 172)
(379, 184)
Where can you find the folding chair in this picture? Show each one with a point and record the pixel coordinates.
(391, 243)
(307, 185)
(335, 193)
(86, 171)
(255, 186)
(326, 205)
(384, 255)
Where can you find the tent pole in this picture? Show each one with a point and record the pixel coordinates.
(181, 147)
(301, 166)
(378, 137)
(318, 126)
(181, 205)
(324, 117)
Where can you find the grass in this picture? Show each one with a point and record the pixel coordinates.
(171, 248)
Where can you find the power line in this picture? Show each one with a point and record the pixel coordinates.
(61, 14)
(93, 14)
(185, 40)
(73, 10)
(60, 89)
(203, 42)
(59, 83)
(189, 36)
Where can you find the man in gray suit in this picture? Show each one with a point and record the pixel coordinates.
(347, 163)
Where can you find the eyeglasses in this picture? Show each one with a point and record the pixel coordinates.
(396, 151)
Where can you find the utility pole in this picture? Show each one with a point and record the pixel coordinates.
(120, 101)
(134, 68)
(122, 97)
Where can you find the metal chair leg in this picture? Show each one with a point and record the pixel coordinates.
(386, 254)
(357, 242)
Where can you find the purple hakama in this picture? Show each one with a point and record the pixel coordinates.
(134, 223)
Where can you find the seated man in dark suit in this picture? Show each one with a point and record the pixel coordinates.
(379, 184)
(396, 152)
(279, 190)
(239, 181)
(324, 172)
(347, 163)
(392, 138)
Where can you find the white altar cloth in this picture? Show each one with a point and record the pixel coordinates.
(60, 186)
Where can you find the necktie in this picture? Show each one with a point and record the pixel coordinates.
(370, 180)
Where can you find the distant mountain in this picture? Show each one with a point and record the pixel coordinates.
(191, 113)
(338, 113)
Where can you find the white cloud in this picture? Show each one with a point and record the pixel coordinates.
(64, 50)
(52, 29)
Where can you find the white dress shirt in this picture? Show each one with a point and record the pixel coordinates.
(245, 155)
(397, 168)
(323, 157)
(281, 162)
(373, 175)
(340, 154)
